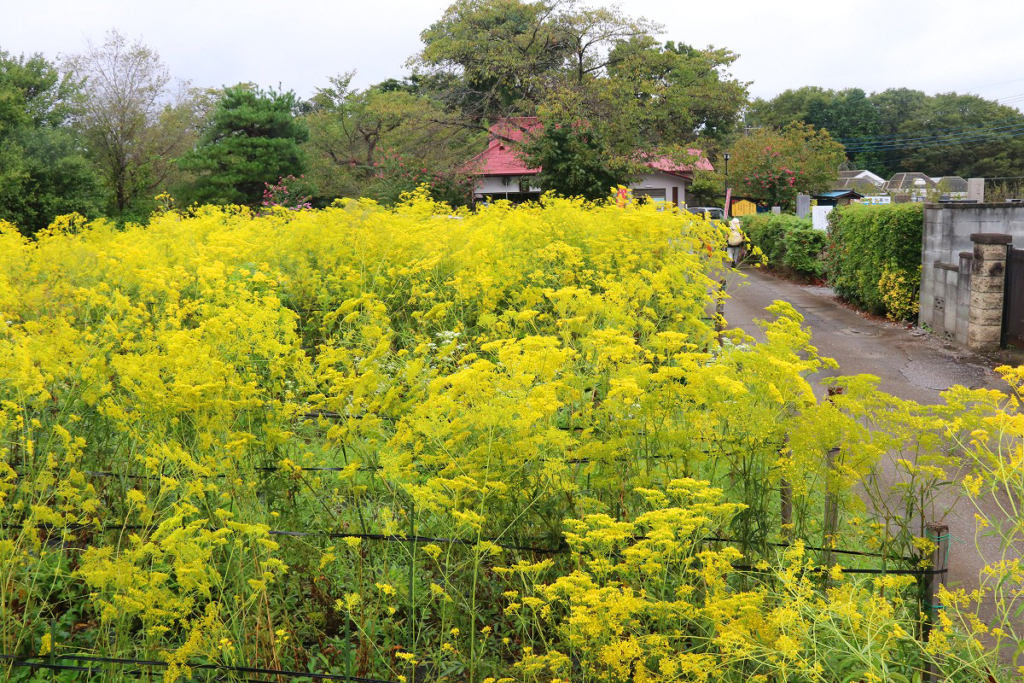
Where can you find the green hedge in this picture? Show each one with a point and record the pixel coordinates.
(790, 243)
(873, 256)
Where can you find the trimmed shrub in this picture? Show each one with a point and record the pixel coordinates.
(804, 246)
(791, 244)
(874, 249)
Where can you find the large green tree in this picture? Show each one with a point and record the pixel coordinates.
(493, 58)
(681, 93)
(965, 135)
(608, 93)
(902, 130)
(580, 156)
(385, 140)
(253, 138)
(136, 124)
(43, 168)
(848, 115)
(772, 166)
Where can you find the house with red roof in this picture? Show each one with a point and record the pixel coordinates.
(503, 175)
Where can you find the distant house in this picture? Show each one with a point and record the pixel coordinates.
(862, 181)
(911, 187)
(865, 183)
(917, 187)
(838, 197)
(503, 175)
(951, 187)
(902, 187)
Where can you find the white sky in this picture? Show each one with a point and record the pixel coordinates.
(930, 45)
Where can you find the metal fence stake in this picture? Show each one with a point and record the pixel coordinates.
(937, 533)
(786, 501)
(831, 520)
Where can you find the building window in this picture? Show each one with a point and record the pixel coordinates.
(651, 195)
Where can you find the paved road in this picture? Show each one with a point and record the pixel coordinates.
(912, 364)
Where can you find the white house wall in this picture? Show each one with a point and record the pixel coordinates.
(654, 181)
(496, 187)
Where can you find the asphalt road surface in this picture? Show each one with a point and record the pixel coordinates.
(912, 364)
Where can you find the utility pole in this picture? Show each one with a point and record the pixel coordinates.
(726, 200)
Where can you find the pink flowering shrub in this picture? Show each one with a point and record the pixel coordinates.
(288, 192)
(395, 175)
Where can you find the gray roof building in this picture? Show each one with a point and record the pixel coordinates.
(951, 183)
(904, 183)
(862, 181)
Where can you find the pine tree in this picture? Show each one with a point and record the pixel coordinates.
(253, 138)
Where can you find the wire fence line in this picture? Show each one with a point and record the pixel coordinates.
(48, 663)
(278, 674)
(561, 548)
(131, 667)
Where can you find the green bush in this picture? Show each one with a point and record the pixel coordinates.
(789, 243)
(869, 245)
(804, 246)
(765, 234)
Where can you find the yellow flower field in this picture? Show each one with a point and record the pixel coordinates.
(425, 445)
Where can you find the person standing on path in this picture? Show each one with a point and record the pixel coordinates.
(735, 241)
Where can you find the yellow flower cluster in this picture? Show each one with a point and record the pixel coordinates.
(899, 290)
(421, 442)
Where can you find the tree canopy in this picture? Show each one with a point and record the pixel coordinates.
(253, 138)
(772, 166)
(104, 130)
(135, 124)
(44, 171)
(607, 91)
(385, 140)
(904, 130)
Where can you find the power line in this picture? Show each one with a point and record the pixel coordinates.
(992, 85)
(889, 139)
(967, 137)
(940, 143)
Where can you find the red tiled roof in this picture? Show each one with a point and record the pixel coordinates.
(502, 158)
(666, 165)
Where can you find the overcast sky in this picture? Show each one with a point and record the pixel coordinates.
(930, 45)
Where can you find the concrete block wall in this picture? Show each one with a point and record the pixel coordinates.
(963, 299)
(947, 259)
(945, 279)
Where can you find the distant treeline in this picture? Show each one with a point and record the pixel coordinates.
(106, 131)
(903, 130)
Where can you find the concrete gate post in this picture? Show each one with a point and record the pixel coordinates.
(988, 279)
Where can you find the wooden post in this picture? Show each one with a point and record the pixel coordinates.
(786, 500)
(786, 494)
(937, 533)
(720, 311)
(831, 521)
(412, 576)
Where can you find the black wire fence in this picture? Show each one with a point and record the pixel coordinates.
(50, 664)
(47, 663)
(95, 665)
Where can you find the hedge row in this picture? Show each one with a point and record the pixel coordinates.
(790, 243)
(873, 257)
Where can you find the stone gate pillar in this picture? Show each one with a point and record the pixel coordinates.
(988, 279)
